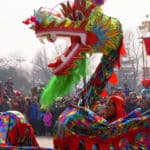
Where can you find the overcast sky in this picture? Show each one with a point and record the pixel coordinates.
(16, 37)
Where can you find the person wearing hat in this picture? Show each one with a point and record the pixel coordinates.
(115, 108)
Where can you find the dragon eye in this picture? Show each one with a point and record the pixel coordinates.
(70, 17)
(79, 15)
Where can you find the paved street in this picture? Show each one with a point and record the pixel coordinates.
(45, 141)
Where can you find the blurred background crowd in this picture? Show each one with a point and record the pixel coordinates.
(43, 121)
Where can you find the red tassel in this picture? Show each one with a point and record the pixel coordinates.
(103, 93)
(122, 52)
(122, 49)
(113, 78)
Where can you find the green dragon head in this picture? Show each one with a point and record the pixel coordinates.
(90, 31)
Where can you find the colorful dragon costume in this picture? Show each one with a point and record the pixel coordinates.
(90, 31)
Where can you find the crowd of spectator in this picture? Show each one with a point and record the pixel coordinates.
(132, 99)
(10, 99)
(43, 120)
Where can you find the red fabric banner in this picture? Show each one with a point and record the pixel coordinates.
(147, 44)
(146, 82)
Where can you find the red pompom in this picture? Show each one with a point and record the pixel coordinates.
(26, 21)
(33, 18)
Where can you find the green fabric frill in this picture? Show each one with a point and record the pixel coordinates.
(62, 85)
